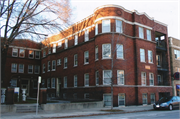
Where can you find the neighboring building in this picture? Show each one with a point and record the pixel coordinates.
(174, 48)
(76, 63)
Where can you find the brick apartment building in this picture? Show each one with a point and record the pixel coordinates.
(77, 62)
(174, 49)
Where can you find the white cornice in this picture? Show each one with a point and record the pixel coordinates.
(174, 46)
(12, 46)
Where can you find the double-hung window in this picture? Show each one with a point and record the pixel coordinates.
(44, 53)
(37, 54)
(53, 82)
(143, 78)
(31, 54)
(86, 79)
(121, 99)
(107, 75)
(120, 77)
(118, 26)
(21, 53)
(65, 62)
(119, 51)
(75, 80)
(97, 77)
(14, 52)
(75, 60)
(30, 69)
(177, 54)
(152, 96)
(150, 56)
(49, 50)
(49, 66)
(158, 60)
(144, 98)
(58, 62)
(65, 82)
(106, 26)
(66, 44)
(151, 79)
(86, 35)
(142, 55)
(106, 51)
(21, 68)
(48, 83)
(44, 68)
(53, 65)
(75, 39)
(96, 53)
(36, 69)
(59, 44)
(96, 29)
(54, 48)
(86, 57)
(13, 67)
(148, 34)
(141, 33)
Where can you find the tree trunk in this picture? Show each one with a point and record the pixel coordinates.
(3, 65)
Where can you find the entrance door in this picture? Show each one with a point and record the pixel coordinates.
(25, 85)
(107, 99)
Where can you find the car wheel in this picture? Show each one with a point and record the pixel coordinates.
(170, 107)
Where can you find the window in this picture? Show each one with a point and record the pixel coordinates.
(66, 44)
(75, 60)
(97, 77)
(30, 69)
(148, 34)
(13, 83)
(96, 29)
(31, 54)
(64, 96)
(159, 79)
(65, 62)
(21, 68)
(86, 96)
(54, 48)
(152, 96)
(143, 78)
(49, 50)
(151, 79)
(119, 51)
(177, 54)
(36, 69)
(86, 35)
(53, 65)
(21, 52)
(13, 67)
(96, 53)
(75, 95)
(65, 82)
(144, 97)
(106, 26)
(86, 57)
(86, 79)
(75, 39)
(119, 26)
(37, 54)
(107, 75)
(44, 68)
(44, 53)
(121, 98)
(53, 82)
(120, 77)
(58, 62)
(49, 66)
(107, 99)
(106, 51)
(48, 83)
(75, 80)
(142, 55)
(141, 33)
(14, 52)
(60, 44)
(158, 60)
(150, 56)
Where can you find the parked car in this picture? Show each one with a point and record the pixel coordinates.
(169, 102)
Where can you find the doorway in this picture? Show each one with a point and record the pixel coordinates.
(25, 85)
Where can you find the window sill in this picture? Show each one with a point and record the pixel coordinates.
(30, 73)
(53, 70)
(75, 65)
(142, 62)
(120, 58)
(151, 85)
(150, 62)
(48, 70)
(65, 67)
(96, 60)
(86, 63)
(106, 58)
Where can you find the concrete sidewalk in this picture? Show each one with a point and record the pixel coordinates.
(75, 113)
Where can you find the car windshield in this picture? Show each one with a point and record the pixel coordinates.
(164, 99)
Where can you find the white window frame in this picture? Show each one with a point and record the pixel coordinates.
(150, 56)
(19, 69)
(158, 59)
(86, 35)
(22, 50)
(86, 57)
(76, 39)
(177, 54)
(59, 44)
(65, 43)
(35, 69)
(86, 96)
(106, 56)
(106, 25)
(54, 48)
(143, 79)
(75, 60)
(44, 53)
(31, 54)
(96, 29)
(159, 81)
(49, 50)
(44, 68)
(37, 53)
(151, 79)
(48, 83)
(154, 98)
(15, 50)
(49, 66)
(119, 51)
(53, 82)
(53, 65)
(141, 32)
(75, 80)
(144, 99)
(121, 99)
(118, 26)
(65, 62)
(13, 66)
(142, 55)
(97, 77)
(120, 77)
(86, 79)
(96, 53)
(110, 76)
(148, 32)
(58, 62)
(29, 69)
(65, 82)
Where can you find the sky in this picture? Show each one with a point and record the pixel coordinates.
(165, 11)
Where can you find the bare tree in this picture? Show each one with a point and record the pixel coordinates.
(32, 19)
